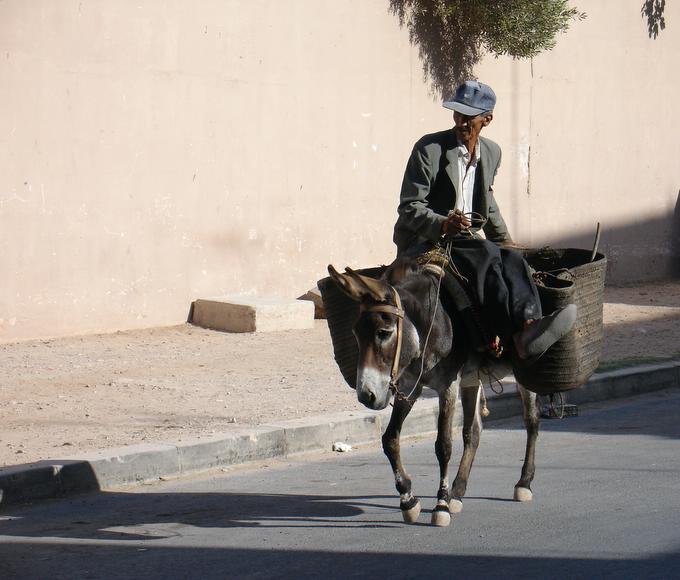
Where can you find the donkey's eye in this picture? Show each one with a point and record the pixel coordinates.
(383, 334)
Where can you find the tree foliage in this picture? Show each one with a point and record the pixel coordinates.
(653, 10)
(452, 35)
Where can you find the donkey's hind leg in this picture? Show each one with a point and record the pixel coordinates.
(409, 504)
(447, 404)
(472, 430)
(531, 420)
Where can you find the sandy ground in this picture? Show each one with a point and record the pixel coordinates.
(66, 396)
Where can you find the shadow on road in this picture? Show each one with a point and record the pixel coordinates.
(199, 562)
(119, 515)
(642, 415)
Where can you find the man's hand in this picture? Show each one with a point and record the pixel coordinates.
(455, 223)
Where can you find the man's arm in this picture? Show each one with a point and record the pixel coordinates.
(414, 211)
(495, 228)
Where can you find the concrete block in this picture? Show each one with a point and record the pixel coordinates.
(28, 482)
(320, 432)
(629, 381)
(231, 448)
(45, 479)
(314, 295)
(76, 476)
(422, 419)
(503, 406)
(601, 388)
(656, 379)
(132, 464)
(245, 314)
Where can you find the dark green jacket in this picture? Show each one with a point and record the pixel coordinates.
(428, 192)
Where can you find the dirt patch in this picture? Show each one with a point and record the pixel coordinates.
(642, 323)
(70, 395)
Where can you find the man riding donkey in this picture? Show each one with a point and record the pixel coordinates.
(446, 199)
(490, 316)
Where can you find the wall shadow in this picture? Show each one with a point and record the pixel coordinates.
(645, 295)
(645, 250)
(448, 46)
(675, 238)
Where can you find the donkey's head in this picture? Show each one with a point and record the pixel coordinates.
(383, 334)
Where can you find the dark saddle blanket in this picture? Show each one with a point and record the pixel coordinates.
(461, 302)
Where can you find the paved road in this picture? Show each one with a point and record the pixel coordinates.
(606, 506)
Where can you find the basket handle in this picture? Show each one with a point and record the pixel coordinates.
(597, 242)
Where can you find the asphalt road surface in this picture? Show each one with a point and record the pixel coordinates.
(606, 505)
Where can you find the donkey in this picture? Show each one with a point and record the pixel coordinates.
(407, 340)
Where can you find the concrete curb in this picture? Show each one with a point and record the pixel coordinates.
(110, 468)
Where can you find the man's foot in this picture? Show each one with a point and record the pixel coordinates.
(536, 338)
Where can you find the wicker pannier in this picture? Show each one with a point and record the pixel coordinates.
(342, 312)
(567, 275)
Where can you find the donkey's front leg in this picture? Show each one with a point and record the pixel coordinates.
(442, 447)
(409, 504)
(531, 420)
(472, 429)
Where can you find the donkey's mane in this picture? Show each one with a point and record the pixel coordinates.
(401, 270)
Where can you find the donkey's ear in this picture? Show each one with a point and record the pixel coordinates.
(347, 284)
(379, 291)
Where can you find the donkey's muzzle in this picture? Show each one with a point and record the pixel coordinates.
(367, 398)
(375, 401)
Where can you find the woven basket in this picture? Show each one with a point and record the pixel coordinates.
(342, 312)
(571, 278)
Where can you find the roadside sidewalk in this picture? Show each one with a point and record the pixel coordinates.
(109, 410)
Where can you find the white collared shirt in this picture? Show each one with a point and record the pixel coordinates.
(465, 187)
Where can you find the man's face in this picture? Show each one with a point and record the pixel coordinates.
(468, 127)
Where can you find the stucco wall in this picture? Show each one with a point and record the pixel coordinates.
(605, 139)
(153, 152)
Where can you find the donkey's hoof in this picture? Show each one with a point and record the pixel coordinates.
(441, 516)
(523, 494)
(411, 514)
(455, 506)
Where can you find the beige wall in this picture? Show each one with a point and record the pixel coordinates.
(605, 138)
(153, 152)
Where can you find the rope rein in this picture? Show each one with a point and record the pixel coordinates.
(429, 330)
